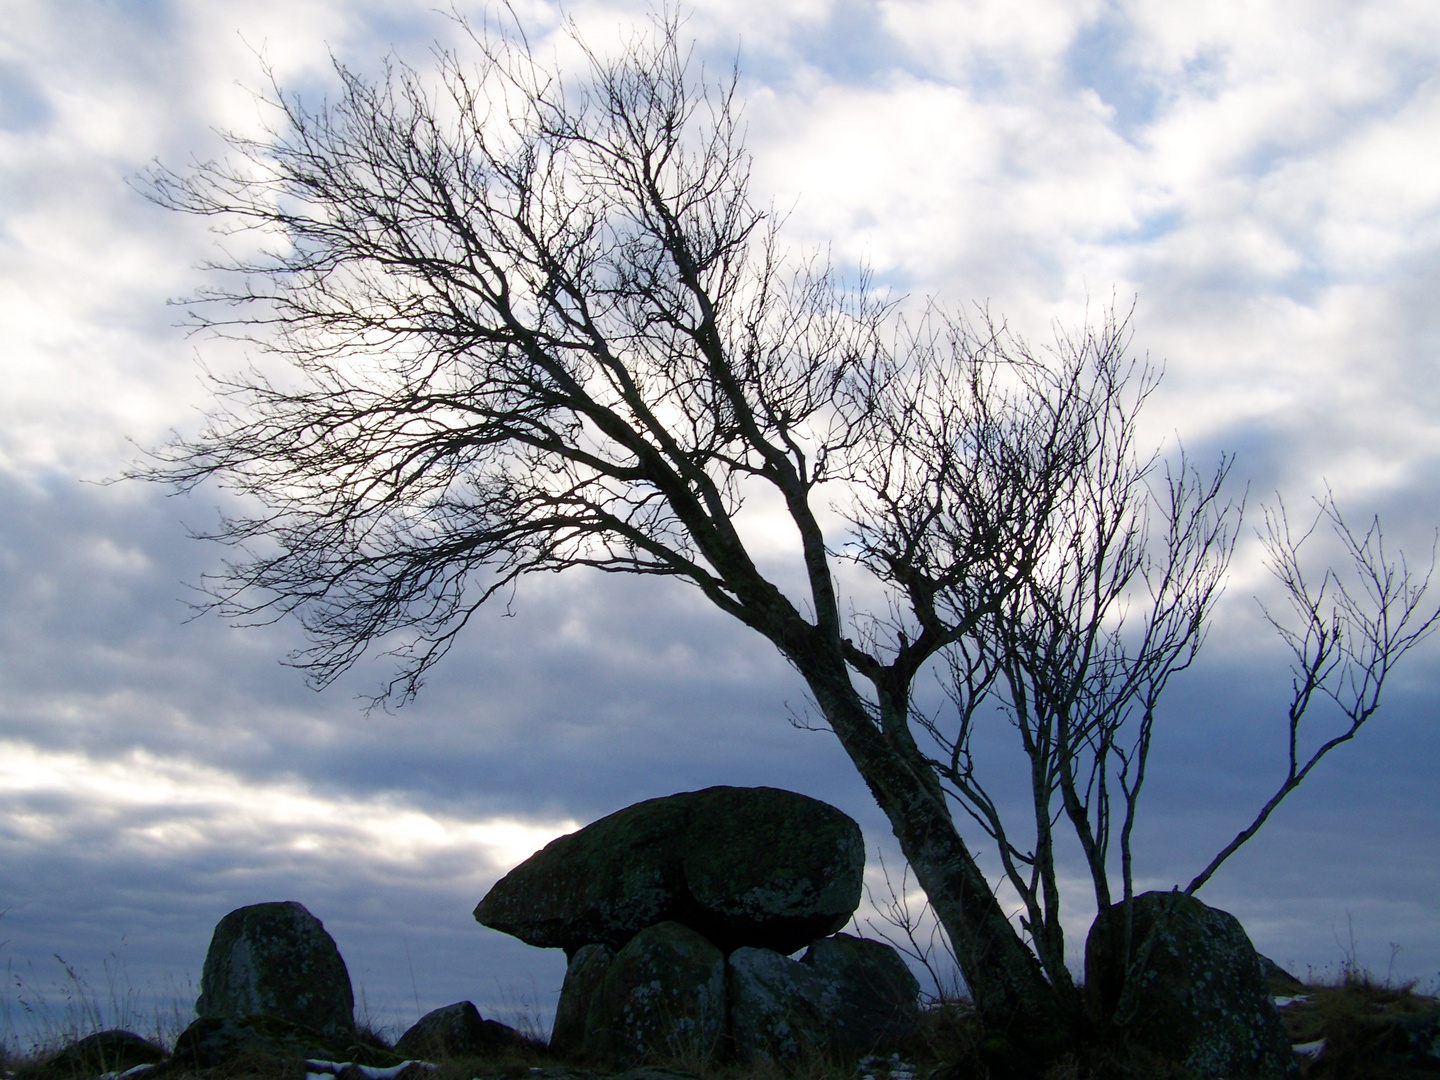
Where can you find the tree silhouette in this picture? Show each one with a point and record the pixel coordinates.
(531, 326)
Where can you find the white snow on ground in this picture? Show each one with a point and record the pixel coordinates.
(1309, 1049)
(135, 1071)
(327, 1069)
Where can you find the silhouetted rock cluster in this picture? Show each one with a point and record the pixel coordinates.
(676, 915)
(275, 989)
(275, 986)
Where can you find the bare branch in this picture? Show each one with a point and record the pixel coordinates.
(1345, 637)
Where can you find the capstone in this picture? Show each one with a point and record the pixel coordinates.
(740, 866)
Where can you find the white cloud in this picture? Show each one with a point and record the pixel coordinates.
(1025, 41)
(162, 807)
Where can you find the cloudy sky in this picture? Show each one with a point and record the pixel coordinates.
(1264, 176)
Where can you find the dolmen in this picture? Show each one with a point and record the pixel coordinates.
(678, 916)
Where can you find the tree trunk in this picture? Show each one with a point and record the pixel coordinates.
(1006, 981)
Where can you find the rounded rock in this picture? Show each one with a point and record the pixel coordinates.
(1200, 995)
(276, 960)
(756, 867)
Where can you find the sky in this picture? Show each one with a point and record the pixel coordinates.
(1261, 178)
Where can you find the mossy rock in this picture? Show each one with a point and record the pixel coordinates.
(662, 1000)
(224, 1041)
(583, 976)
(277, 960)
(457, 1031)
(845, 997)
(741, 866)
(1197, 994)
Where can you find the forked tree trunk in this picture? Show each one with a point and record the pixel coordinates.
(1008, 986)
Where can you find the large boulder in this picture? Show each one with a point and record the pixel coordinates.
(583, 976)
(845, 995)
(454, 1031)
(1198, 994)
(277, 960)
(741, 866)
(662, 1001)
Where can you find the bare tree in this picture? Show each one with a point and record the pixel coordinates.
(531, 326)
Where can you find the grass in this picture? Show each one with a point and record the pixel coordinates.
(1356, 1017)
(43, 1011)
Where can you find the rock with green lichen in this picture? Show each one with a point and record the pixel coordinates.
(277, 960)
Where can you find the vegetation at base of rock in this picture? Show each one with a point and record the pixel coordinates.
(1371, 1030)
(1356, 1017)
(102, 1052)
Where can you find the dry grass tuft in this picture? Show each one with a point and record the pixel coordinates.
(1363, 1023)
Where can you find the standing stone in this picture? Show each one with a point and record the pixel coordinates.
(742, 866)
(277, 960)
(1199, 998)
(662, 1001)
(583, 976)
